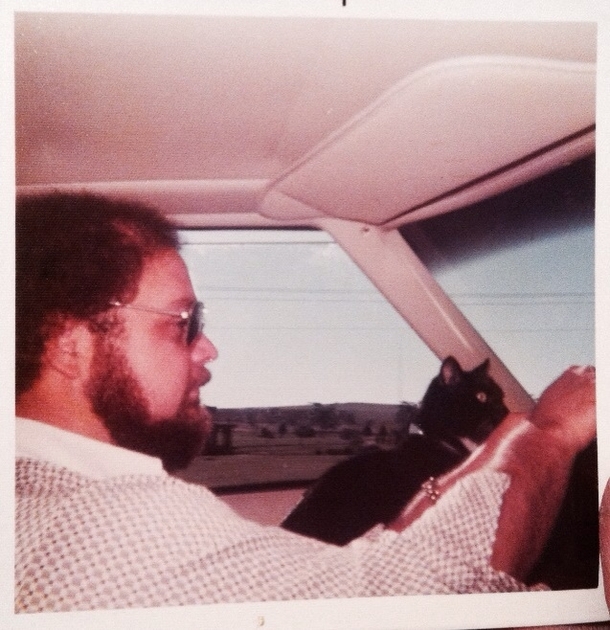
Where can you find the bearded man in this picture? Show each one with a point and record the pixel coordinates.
(110, 357)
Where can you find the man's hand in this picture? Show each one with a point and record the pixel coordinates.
(566, 408)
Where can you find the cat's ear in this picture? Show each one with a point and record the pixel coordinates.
(451, 371)
(483, 368)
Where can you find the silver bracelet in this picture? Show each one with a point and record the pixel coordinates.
(430, 487)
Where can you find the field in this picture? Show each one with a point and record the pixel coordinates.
(264, 461)
(226, 472)
(275, 448)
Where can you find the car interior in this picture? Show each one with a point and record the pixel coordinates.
(410, 145)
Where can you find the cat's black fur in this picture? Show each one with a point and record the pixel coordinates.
(374, 486)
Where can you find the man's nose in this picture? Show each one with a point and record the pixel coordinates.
(203, 349)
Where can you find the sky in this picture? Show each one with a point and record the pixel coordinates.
(296, 322)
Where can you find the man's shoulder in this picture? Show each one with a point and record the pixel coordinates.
(168, 512)
(37, 476)
(40, 477)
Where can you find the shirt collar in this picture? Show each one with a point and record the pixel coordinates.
(83, 455)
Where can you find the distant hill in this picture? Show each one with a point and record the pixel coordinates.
(322, 416)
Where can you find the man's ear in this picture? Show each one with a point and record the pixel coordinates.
(69, 351)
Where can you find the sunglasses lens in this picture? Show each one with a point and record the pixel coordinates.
(195, 323)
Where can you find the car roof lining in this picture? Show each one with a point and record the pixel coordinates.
(380, 121)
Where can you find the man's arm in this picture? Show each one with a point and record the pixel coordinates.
(537, 453)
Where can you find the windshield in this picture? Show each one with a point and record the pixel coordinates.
(520, 266)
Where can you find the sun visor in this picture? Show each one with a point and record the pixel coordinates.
(442, 128)
(175, 197)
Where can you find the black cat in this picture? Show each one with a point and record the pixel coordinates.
(458, 411)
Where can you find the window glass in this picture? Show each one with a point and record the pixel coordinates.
(299, 327)
(296, 322)
(520, 266)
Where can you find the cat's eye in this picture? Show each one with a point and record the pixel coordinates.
(481, 397)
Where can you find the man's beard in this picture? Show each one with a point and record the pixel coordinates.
(117, 398)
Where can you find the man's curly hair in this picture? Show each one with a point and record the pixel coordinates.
(75, 253)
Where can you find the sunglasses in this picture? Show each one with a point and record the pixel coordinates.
(193, 318)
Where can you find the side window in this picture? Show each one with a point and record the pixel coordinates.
(313, 362)
(296, 322)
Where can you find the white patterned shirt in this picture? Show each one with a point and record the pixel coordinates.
(95, 536)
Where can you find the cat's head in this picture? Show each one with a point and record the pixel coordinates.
(461, 403)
